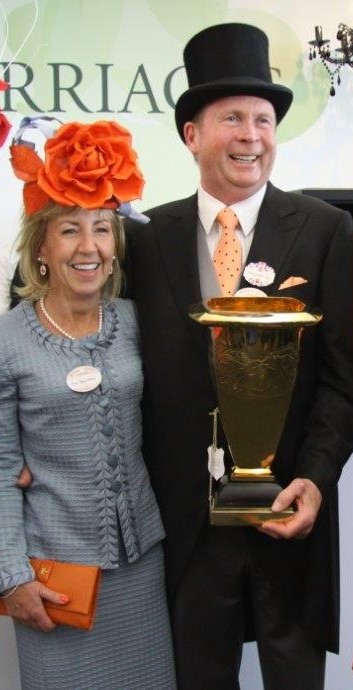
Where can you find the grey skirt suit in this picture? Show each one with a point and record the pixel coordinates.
(90, 501)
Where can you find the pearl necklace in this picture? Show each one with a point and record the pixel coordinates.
(61, 330)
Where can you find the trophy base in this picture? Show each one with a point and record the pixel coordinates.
(245, 503)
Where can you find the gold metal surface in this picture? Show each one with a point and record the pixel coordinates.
(239, 517)
(255, 370)
(259, 311)
(253, 305)
(255, 352)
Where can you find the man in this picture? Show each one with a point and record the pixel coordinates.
(282, 578)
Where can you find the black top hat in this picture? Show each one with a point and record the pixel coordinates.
(228, 60)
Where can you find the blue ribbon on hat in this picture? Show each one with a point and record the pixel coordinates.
(40, 122)
(125, 209)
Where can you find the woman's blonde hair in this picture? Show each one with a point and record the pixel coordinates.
(31, 238)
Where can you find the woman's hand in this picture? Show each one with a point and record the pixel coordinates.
(25, 605)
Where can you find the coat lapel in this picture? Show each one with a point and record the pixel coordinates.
(177, 241)
(277, 227)
(276, 230)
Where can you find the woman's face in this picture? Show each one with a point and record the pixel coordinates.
(78, 249)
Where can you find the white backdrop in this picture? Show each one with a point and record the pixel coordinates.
(85, 60)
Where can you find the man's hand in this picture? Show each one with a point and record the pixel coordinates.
(307, 499)
(25, 479)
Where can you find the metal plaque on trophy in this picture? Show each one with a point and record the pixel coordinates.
(255, 348)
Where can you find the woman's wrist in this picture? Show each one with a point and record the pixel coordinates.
(7, 593)
(11, 581)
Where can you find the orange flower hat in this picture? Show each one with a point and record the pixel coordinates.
(87, 165)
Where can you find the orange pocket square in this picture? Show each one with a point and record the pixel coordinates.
(291, 282)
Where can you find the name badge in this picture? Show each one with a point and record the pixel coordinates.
(84, 379)
(259, 274)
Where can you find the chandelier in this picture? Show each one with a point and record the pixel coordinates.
(333, 62)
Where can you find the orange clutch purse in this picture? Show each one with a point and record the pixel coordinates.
(80, 582)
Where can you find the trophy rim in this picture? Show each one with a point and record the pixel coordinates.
(256, 311)
(252, 305)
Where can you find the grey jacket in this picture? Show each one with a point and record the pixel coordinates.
(91, 496)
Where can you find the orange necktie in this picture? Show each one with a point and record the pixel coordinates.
(227, 257)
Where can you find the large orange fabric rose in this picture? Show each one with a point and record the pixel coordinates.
(91, 166)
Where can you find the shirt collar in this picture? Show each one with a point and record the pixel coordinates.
(247, 210)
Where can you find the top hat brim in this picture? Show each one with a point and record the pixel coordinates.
(195, 98)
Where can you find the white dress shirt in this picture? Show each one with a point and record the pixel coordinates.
(247, 212)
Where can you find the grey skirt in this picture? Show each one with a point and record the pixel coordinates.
(129, 647)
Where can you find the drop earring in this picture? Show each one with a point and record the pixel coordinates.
(42, 268)
(111, 268)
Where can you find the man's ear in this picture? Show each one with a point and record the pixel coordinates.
(190, 136)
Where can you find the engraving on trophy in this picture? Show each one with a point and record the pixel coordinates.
(255, 373)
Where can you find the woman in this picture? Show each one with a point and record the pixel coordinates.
(90, 500)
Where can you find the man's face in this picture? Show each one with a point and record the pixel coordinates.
(234, 142)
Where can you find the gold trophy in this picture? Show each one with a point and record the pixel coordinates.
(255, 342)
